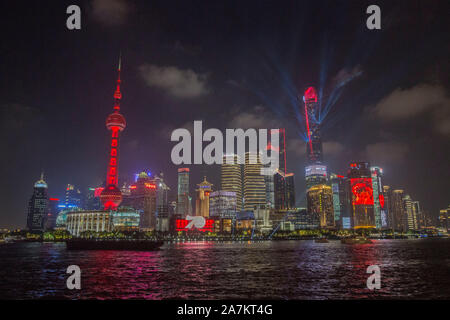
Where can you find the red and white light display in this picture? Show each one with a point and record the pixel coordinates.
(195, 223)
(362, 191)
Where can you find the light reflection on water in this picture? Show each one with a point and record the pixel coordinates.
(418, 269)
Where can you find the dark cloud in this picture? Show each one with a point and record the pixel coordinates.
(384, 153)
(111, 12)
(346, 75)
(186, 48)
(16, 117)
(174, 81)
(429, 101)
(257, 118)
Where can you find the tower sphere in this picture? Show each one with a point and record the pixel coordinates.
(111, 197)
(115, 119)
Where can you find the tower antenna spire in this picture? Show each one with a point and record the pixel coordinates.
(118, 94)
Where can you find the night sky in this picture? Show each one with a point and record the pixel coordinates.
(232, 64)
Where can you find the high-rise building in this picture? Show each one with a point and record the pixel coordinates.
(111, 196)
(387, 196)
(315, 171)
(315, 174)
(397, 210)
(320, 205)
(417, 213)
(203, 192)
(314, 143)
(290, 190)
(52, 214)
(444, 219)
(254, 184)
(409, 215)
(361, 193)
(223, 204)
(284, 190)
(378, 198)
(92, 199)
(162, 204)
(231, 177)
(340, 201)
(143, 199)
(183, 199)
(73, 197)
(280, 188)
(270, 189)
(282, 150)
(38, 206)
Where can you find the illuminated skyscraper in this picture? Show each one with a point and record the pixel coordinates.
(320, 205)
(397, 210)
(270, 190)
(417, 213)
(111, 196)
(38, 206)
(409, 214)
(387, 195)
(315, 171)
(284, 190)
(73, 197)
(254, 184)
(282, 182)
(378, 198)
(143, 199)
(290, 190)
(52, 214)
(203, 192)
(282, 149)
(315, 174)
(361, 193)
(183, 199)
(444, 219)
(223, 204)
(231, 177)
(92, 198)
(162, 203)
(340, 201)
(314, 144)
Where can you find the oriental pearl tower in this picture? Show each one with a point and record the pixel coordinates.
(111, 197)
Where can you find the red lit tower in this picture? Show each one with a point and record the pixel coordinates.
(314, 147)
(111, 196)
(315, 171)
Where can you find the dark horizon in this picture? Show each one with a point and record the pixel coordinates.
(232, 65)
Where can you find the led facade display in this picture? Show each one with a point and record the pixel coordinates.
(195, 223)
(316, 170)
(362, 191)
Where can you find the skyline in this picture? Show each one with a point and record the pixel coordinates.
(37, 122)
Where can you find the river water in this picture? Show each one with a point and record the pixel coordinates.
(410, 269)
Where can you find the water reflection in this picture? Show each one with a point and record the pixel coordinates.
(210, 270)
